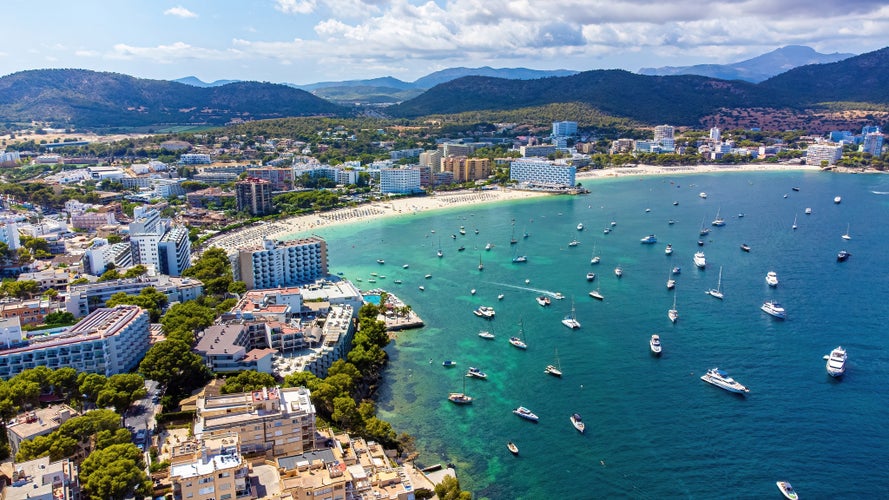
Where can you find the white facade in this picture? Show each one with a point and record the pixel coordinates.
(542, 172)
(282, 263)
(9, 234)
(873, 143)
(400, 180)
(561, 129)
(816, 153)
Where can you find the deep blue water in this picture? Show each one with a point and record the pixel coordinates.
(654, 429)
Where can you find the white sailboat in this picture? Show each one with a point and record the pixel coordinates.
(597, 294)
(717, 292)
(594, 259)
(439, 253)
(571, 320)
(718, 221)
(518, 341)
(673, 313)
(556, 369)
(481, 266)
(794, 226)
(847, 236)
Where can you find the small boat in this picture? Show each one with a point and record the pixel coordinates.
(703, 195)
(462, 248)
(717, 292)
(517, 341)
(590, 276)
(371, 280)
(700, 260)
(808, 211)
(512, 448)
(618, 271)
(488, 246)
(577, 422)
(500, 296)
(795, 188)
(842, 256)
(786, 195)
(613, 223)
(741, 215)
(720, 379)
(794, 226)
(745, 247)
(558, 296)
(374, 274)
(596, 294)
(655, 344)
(543, 300)
(787, 490)
(772, 279)
(718, 221)
(573, 243)
(472, 292)
(486, 335)
(453, 236)
(484, 312)
(440, 254)
(837, 199)
(398, 282)
(428, 276)
(460, 398)
(571, 320)
(647, 210)
(525, 413)
(671, 283)
(422, 288)
(668, 250)
(648, 240)
(675, 203)
(462, 231)
(405, 266)
(774, 308)
(448, 363)
(700, 243)
(677, 270)
(556, 369)
(381, 261)
(606, 230)
(580, 226)
(846, 236)
(836, 362)
(476, 373)
(671, 222)
(518, 259)
(673, 313)
(476, 230)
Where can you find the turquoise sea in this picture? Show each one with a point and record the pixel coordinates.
(654, 429)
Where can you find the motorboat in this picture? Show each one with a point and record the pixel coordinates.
(717, 292)
(462, 248)
(486, 335)
(422, 288)
(745, 247)
(700, 260)
(700, 243)
(606, 230)
(472, 292)
(428, 276)
(677, 270)
(675, 203)
(440, 254)
(795, 188)
(648, 240)
(512, 448)
(596, 294)
(500, 296)
(655, 344)
(720, 379)
(703, 195)
(381, 261)
(573, 243)
(595, 259)
(486, 312)
(459, 398)
(668, 250)
(488, 246)
(553, 370)
(787, 490)
(448, 363)
(518, 259)
(671, 283)
(525, 413)
(843, 255)
(774, 308)
(543, 300)
(618, 271)
(590, 276)
(647, 210)
(577, 422)
(772, 279)
(558, 296)
(837, 199)
(836, 362)
(398, 282)
(613, 223)
(580, 226)
(405, 266)
(671, 222)
(474, 372)
(808, 211)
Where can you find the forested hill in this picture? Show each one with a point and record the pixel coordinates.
(75, 97)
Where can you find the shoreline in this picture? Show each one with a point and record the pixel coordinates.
(253, 235)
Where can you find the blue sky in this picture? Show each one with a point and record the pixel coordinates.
(306, 41)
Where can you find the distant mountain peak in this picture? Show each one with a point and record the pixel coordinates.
(757, 69)
(197, 82)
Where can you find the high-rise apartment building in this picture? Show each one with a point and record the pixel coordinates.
(542, 173)
(466, 169)
(155, 242)
(254, 195)
(873, 143)
(282, 263)
(400, 181)
(818, 153)
(564, 129)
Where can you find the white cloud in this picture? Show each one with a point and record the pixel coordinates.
(179, 11)
(175, 52)
(296, 6)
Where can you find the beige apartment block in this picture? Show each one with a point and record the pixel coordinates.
(209, 469)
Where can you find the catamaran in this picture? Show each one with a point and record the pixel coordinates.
(571, 320)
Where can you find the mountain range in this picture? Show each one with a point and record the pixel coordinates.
(757, 69)
(89, 99)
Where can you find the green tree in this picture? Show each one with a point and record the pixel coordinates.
(172, 364)
(60, 318)
(91, 384)
(182, 320)
(110, 275)
(148, 298)
(135, 271)
(121, 390)
(114, 473)
(214, 270)
(246, 381)
(449, 489)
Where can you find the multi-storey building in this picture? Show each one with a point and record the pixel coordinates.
(29, 312)
(663, 136)
(229, 348)
(39, 422)
(540, 172)
(155, 242)
(203, 197)
(455, 149)
(92, 220)
(40, 479)
(282, 263)
(209, 468)
(174, 251)
(281, 178)
(254, 195)
(86, 298)
(431, 159)
(195, 159)
(537, 150)
(273, 420)
(564, 129)
(466, 169)
(400, 181)
(97, 257)
(108, 341)
(873, 143)
(9, 234)
(818, 153)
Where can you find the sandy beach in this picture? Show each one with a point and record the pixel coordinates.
(253, 235)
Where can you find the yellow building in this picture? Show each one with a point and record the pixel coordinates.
(209, 469)
(466, 169)
(274, 421)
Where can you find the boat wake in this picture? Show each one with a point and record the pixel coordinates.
(525, 288)
(880, 192)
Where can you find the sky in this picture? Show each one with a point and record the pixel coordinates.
(308, 41)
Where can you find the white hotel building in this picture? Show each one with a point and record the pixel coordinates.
(816, 153)
(542, 173)
(108, 341)
(282, 263)
(400, 181)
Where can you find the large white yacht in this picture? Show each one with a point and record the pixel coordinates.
(774, 308)
(836, 362)
(526, 414)
(772, 278)
(720, 379)
(700, 260)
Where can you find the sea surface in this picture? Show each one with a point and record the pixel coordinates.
(653, 428)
